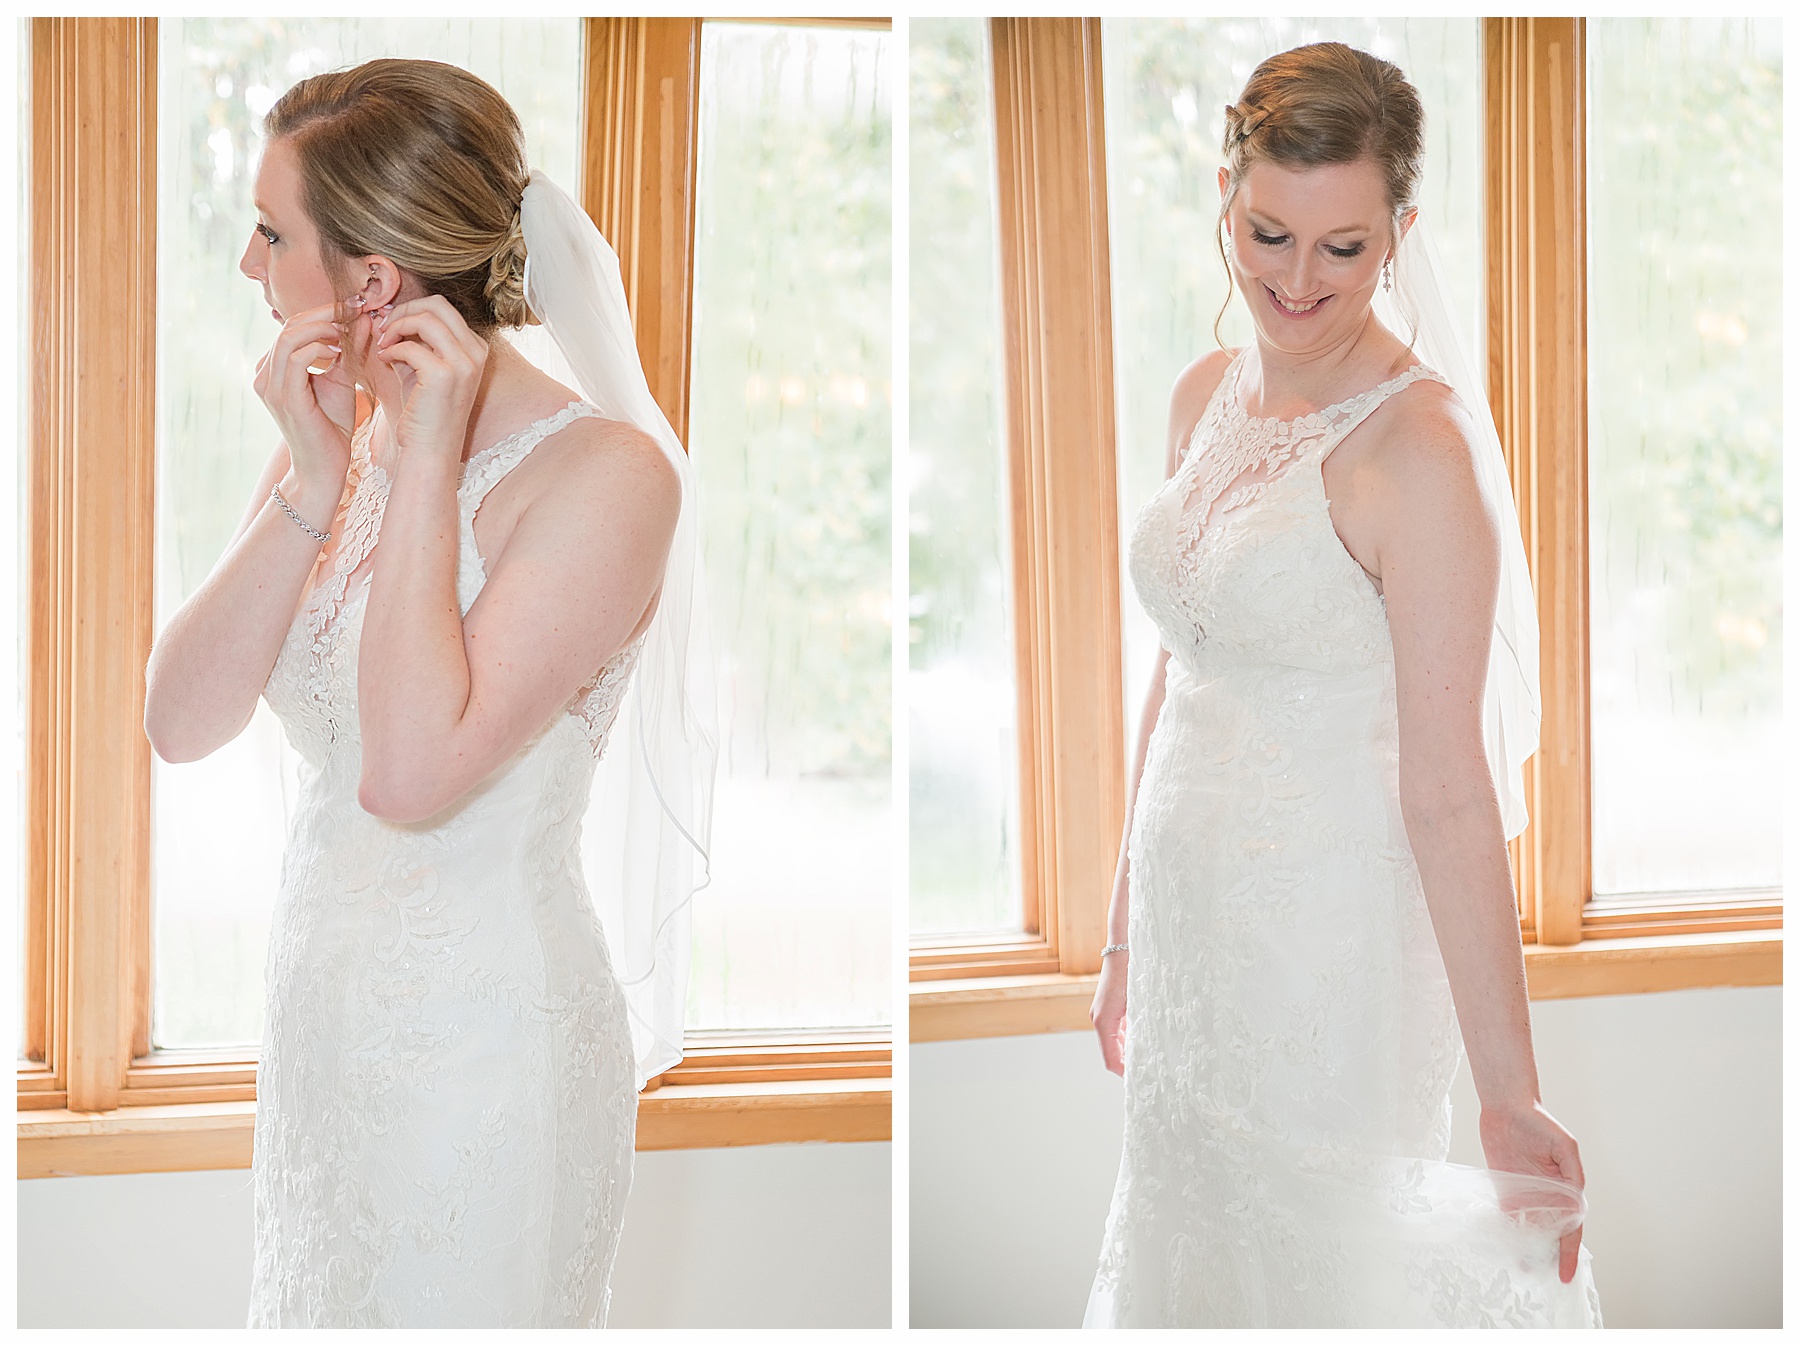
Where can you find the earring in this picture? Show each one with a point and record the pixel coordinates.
(1387, 275)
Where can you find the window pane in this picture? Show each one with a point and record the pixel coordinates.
(1684, 457)
(219, 824)
(791, 407)
(964, 740)
(1167, 84)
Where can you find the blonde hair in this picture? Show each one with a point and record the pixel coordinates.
(1325, 103)
(423, 163)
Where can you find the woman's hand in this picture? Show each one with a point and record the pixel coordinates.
(315, 412)
(426, 366)
(1108, 1011)
(1527, 1139)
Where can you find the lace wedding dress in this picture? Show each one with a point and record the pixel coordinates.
(1290, 1038)
(446, 1103)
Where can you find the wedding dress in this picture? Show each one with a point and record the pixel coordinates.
(446, 1101)
(1290, 1039)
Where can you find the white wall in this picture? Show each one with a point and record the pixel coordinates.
(762, 1236)
(1675, 1098)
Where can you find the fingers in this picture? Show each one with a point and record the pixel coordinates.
(1571, 1251)
(434, 322)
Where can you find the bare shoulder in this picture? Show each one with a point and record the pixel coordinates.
(1422, 456)
(1194, 388)
(596, 461)
(1195, 385)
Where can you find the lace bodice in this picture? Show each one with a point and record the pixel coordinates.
(313, 685)
(1290, 1037)
(1235, 558)
(446, 1096)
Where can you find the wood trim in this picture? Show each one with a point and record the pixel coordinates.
(795, 1061)
(1537, 381)
(59, 1143)
(1653, 963)
(1022, 955)
(1056, 316)
(641, 114)
(943, 1011)
(716, 1116)
(988, 1007)
(91, 548)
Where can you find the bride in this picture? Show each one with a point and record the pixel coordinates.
(1315, 892)
(450, 572)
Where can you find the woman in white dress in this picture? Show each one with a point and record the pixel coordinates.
(1315, 892)
(447, 1091)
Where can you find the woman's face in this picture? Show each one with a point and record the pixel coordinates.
(283, 254)
(1306, 250)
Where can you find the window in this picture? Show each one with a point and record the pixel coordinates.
(961, 684)
(611, 108)
(1517, 111)
(1684, 457)
(792, 448)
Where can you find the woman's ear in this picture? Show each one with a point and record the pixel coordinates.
(1406, 221)
(377, 282)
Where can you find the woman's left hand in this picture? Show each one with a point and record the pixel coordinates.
(427, 359)
(1527, 1139)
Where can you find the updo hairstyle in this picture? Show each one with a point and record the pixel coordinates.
(1326, 103)
(423, 163)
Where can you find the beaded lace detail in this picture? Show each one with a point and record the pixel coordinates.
(446, 1094)
(1291, 1039)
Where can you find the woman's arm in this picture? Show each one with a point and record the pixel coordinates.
(214, 656)
(444, 699)
(1193, 389)
(1438, 552)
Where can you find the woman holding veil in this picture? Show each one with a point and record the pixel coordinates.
(1314, 894)
(462, 582)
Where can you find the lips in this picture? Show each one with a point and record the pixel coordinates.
(1292, 310)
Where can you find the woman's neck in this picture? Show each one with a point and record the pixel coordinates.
(1282, 381)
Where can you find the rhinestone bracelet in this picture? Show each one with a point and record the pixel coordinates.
(275, 494)
(1115, 948)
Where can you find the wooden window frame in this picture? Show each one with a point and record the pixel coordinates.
(1056, 277)
(93, 1097)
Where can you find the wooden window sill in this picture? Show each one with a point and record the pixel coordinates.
(54, 1142)
(983, 1007)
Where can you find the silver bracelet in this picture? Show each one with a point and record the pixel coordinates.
(275, 494)
(1115, 948)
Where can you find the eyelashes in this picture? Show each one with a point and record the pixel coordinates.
(267, 233)
(1271, 240)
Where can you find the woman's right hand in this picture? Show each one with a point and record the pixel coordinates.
(1108, 1011)
(314, 412)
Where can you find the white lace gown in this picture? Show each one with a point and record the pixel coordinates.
(446, 1104)
(1290, 1037)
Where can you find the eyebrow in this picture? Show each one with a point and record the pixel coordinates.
(1266, 218)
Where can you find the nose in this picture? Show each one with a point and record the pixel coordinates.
(251, 263)
(1300, 279)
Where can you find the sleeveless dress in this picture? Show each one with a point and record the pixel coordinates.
(1290, 1037)
(446, 1100)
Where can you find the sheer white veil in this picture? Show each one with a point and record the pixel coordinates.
(1419, 307)
(646, 835)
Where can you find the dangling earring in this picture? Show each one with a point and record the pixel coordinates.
(1387, 274)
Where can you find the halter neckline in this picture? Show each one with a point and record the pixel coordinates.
(1418, 369)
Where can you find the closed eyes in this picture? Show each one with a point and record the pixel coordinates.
(1273, 240)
